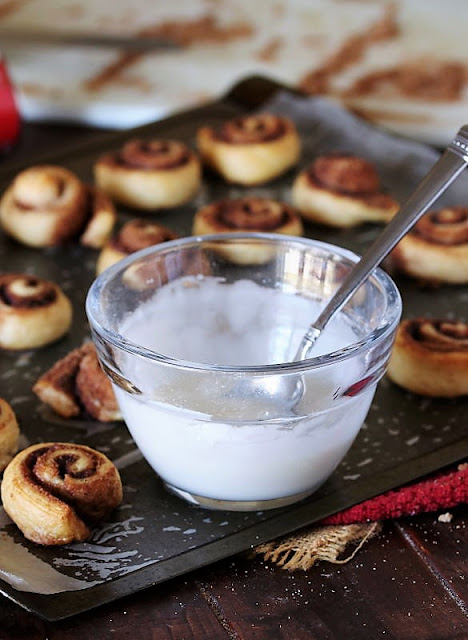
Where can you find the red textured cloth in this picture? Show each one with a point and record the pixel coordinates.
(438, 492)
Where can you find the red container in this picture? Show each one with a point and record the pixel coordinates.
(9, 115)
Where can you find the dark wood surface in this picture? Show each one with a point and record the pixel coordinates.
(409, 582)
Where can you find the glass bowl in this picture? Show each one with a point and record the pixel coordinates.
(197, 337)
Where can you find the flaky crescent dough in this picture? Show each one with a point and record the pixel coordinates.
(430, 357)
(135, 234)
(55, 492)
(33, 312)
(76, 383)
(251, 149)
(149, 174)
(9, 433)
(341, 190)
(44, 206)
(102, 217)
(436, 250)
(247, 214)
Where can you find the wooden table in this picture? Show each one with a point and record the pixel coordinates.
(408, 582)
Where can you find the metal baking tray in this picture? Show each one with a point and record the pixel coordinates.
(155, 536)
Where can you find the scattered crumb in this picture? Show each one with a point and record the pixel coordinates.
(445, 517)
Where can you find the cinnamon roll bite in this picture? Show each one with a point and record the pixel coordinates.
(342, 190)
(94, 390)
(33, 312)
(251, 149)
(149, 174)
(247, 214)
(100, 219)
(134, 235)
(77, 385)
(44, 206)
(57, 492)
(436, 250)
(430, 357)
(48, 205)
(9, 433)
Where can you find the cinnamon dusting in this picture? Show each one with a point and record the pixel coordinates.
(350, 52)
(420, 79)
(10, 7)
(184, 33)
(269, 52)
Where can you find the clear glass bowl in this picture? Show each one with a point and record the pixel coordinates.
(197, 336)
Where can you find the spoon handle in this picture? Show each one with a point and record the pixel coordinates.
(449, 166)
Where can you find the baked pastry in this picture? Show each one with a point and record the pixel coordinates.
(33, 312)
(100, 219)
(149, 174)
(341, 190)
(251, 149)
(134, 235)
(56, 492)
(436, 250)
(94, 389)
(247, 214)
(48, 205)
(77, 384)
(9, 433)
(430, 357)
(44, 206)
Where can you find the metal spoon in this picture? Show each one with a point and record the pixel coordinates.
(289, 391)
(449, 166)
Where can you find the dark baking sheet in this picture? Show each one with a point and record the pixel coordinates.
(155, 536)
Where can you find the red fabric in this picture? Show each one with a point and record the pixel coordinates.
(439, 492)
(9, 116)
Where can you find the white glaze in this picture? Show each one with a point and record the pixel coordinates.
(221, 444)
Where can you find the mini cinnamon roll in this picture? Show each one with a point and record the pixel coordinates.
(150, 174)
(101, 218)
(33, 312)
(247, 214)
(134, 235)
(341, 190)
(430, 357)
(436, 250)
(47, 205)
(9, 434)
(152, 272)
(56, 492)
(76, 384)
(44, 206)
(251, 149)
(94, 389)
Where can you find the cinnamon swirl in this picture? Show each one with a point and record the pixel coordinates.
(76, 384)
(436, 250)
(9, 433)
(150, 174)
(44, 206)
(247, 214)
(56, 492)
(33, 312)
(47, 205)
(134, 235)
(341, 190)
(430, 357)
(251, 149)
